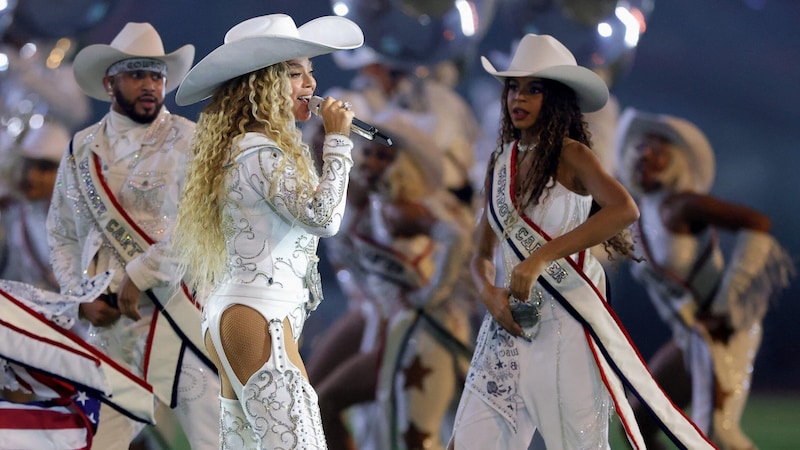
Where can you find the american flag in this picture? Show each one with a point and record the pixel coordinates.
(67, 422)
(68, 376)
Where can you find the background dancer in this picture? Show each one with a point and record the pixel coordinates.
(714, 309)
(401, 253)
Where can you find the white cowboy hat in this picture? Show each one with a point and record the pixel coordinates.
(263, 41)
(136, 40)
(544, 57)
(682, 134)
(49, 142)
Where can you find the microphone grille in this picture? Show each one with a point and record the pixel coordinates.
(314, 103)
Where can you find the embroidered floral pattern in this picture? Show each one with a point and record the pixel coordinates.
(272, 220)
(235, 432)
(283, 412)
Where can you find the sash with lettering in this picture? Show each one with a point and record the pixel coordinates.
(618, 360)
(176, 321)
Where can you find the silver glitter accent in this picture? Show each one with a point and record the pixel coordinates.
(86, 176)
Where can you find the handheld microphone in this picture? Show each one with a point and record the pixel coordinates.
(358, 127)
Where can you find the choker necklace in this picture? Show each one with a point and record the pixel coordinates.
(525, 147)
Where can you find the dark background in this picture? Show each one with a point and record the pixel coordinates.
(730, 66)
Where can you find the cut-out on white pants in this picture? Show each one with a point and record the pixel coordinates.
(278, 403)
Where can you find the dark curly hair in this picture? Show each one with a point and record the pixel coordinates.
(559, 117)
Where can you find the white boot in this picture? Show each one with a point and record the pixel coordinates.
(235, 432)
(733, 369)
(758, 271)
(280, 404)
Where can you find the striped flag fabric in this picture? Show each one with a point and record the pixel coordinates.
(68, 376)
(67, 423)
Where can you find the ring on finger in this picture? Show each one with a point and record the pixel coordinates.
(348, 106)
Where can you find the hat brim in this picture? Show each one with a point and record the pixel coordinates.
(91, 63)
(591, 90)
(634, 124)
(318, 37)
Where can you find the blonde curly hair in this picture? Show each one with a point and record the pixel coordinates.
(260, 101)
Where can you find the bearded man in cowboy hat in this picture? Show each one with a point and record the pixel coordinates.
(714, 309)
(113, 209)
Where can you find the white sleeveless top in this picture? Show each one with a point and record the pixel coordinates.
(558, 212)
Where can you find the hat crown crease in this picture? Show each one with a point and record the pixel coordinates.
(543, 53)
(139, 40)
(263, 26)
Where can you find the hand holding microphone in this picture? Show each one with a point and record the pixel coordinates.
(359, 127)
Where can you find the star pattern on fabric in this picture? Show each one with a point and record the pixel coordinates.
(89, 404)
(415, 374)
(415, 438)
(81, 397)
